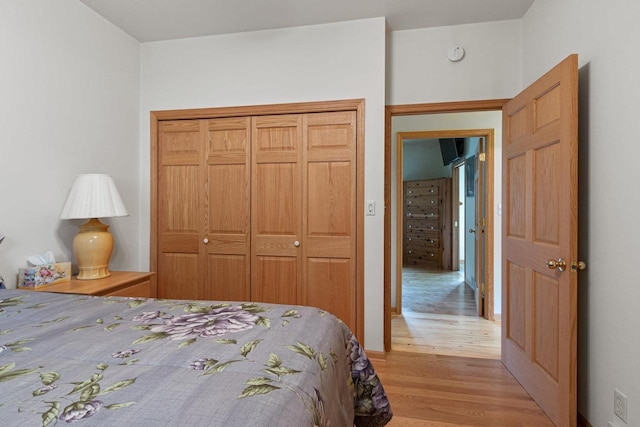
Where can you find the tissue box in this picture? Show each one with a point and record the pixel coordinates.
(42, 275)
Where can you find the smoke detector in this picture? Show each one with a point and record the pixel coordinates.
(455, 54)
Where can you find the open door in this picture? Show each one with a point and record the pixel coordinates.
(540, 224)
(478, 182)
(470, 211)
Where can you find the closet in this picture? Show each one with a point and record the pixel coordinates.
(260, 207)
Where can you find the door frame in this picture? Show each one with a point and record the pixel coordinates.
(357, 105)
(416, 109)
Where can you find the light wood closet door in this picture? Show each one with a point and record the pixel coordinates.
(329, 214)
(260, 208)
(228, 206)
(180, 208)
(276, 208)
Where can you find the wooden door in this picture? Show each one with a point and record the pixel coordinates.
(329, 214)
(471, 222)
(276, 206)
(180, 209)
(479, 226)
(228, 206)
(540, 164)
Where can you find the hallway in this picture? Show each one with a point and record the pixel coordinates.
(439, 317)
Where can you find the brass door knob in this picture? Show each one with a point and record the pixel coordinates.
(560, 264)
(578, 265)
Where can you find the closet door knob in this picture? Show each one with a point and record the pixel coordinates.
(205, 241)
(296, 244)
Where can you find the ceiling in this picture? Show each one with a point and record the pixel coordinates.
(153, 20)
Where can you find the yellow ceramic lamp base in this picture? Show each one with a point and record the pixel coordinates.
(92, 247)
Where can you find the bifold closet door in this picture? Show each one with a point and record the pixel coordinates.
(204, 209)
(304, 211)
(180, 208)
(276, 202)
(329, 214)
(227, 224)
(259, 208)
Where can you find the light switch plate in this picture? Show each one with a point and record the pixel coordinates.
(371, 207)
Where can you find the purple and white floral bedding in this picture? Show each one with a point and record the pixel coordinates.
(115, 361)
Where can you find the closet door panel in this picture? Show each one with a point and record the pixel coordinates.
(276, 206)
(329, 199)
(180, 209)
(276, 184)
(329, 214)
(328, 287)
(274, 277)
(227, 231)
(230, 278)
(180, 276)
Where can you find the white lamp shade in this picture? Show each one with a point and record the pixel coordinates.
(93, 196)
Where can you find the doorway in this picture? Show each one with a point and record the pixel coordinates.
(437, 304)
(393, 262)
(475, 155)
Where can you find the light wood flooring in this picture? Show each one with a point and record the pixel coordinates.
(443, 391)
(444, 369)
(439, 317)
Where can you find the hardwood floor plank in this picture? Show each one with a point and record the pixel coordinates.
(439, 317)
(426, 389)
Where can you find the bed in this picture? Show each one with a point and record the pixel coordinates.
(125, 361)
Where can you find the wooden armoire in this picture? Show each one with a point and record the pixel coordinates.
(260, 204)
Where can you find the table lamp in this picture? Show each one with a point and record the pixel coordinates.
(93, 196)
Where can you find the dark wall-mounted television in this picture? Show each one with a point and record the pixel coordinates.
(452, 149)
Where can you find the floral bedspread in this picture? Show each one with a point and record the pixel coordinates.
(118, 361)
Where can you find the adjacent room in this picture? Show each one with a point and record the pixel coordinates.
(441, 293)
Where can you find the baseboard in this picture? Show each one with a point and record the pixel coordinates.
(376, 355)
(582, 421)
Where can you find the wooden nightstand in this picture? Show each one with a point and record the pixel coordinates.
(120, 283)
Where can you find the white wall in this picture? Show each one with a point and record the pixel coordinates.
(604, 35)
(420, 73)
(453, 121)
(313, 63)
(69, 105)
